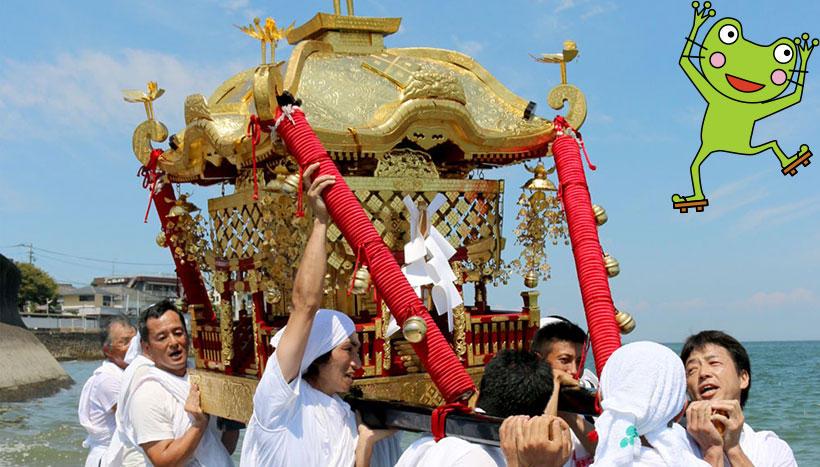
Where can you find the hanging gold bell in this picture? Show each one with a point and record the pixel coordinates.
(600, 214)
(161, 239)
(361, 281)
(613, 268)
(414, 329)
(531, 279)
(625, 321)
(539, 182)
(291, 183)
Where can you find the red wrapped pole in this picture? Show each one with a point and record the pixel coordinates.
(435, 353)
(586, 248)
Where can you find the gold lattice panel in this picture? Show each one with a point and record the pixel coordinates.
(470, 216)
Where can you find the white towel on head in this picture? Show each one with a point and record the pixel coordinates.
(330, 328)
(643, 388)
(134, 349)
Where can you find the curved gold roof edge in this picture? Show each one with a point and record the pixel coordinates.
(415, 116)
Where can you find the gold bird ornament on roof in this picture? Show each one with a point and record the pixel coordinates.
(147, 98)
(267, 34)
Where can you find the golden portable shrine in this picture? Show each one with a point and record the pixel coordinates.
(408, 129)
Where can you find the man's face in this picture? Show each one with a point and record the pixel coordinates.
(336, 375)
(119, 337)
(167, 343)
(711, 374)
(563, 355)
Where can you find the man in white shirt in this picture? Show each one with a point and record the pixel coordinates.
(298, 417)
(160, 421)
(516, 386)
(98, 400)
(718, 379)
(561, 344)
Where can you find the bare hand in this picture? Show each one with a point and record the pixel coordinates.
(314, 190)
(729, 414)
(700, 426)
(193, 407)
(542, 441)
(512, 429)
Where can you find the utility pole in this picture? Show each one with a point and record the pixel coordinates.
(30, 252)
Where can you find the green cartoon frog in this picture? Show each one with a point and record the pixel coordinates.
(742, 83)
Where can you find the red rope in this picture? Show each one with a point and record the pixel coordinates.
(561, 125)
(438, 419)
(435, 353)
(149, 175)
(586, 248)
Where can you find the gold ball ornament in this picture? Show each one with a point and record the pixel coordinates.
(531, 279)
(161, 239)
(414, 329)
(273, 296)
(613, 268)
(625, 321)
(600, 214)
(291, 183)
(361, 281)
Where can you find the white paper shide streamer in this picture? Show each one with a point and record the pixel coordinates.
(427, 261)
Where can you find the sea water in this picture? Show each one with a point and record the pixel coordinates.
(785, 398)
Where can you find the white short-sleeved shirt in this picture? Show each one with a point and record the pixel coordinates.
(763, 448)
(579, 456)
(103, 390)
(296, 425)
(450, 451)
(154, 413)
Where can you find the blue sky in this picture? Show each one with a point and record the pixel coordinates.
(747, 265)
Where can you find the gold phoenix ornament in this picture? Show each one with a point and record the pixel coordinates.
(267, 34)
(540, 219)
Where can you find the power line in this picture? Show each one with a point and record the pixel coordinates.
(85, 258)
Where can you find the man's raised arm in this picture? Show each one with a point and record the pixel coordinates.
(308, 287)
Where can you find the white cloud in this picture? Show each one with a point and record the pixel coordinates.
(83, 91)
(779, 214)
(777, 300)
(596, 9)
(469, 47)
(684, 305)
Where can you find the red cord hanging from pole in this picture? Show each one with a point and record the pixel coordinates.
(149, 175)
(444, 367)
(586, 246)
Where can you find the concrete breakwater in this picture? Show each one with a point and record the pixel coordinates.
(71, 345)
(27, 369)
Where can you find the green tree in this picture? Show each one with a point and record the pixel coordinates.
(36, 287)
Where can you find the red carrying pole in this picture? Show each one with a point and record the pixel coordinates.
(586, 248)
(435, 353)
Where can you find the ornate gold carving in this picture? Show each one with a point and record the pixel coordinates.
(386, 348)
(267, 34)
(225, 396)
(563, 93)
(407, 163)
(144, 133)
(225, 313)
(460, 330)
(413, 389)
(429, 83)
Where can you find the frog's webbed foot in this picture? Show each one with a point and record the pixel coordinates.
(801, 158)
(701, 15)
(684, 203)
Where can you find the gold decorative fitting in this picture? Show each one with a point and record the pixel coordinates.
(613, 268)
(570, 52)
(147, 98)
(161, 240)
(406, 163)
(531, 280)
(361, 281)
(540, 219)
(429, 83)
(625, 321)
(414, 329)
(600, 214)
(267, 34)
(273, 295)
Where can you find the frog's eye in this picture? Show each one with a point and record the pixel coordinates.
(783, 53)
(728, 34)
